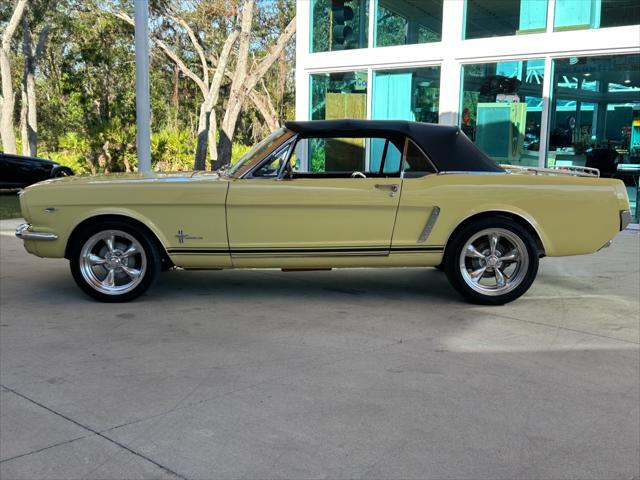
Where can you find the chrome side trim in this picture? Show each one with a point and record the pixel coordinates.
(625, 219)
(23, 232)
(606, 245)
(431, 221)
(468, 172)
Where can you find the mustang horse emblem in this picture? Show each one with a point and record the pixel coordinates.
(182, 236)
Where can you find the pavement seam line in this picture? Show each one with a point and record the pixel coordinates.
(95, 432)
(43, 448)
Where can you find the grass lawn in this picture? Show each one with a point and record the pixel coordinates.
(9, 205)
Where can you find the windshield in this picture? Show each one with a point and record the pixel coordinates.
(258, 152)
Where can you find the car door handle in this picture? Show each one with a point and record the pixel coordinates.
(386, 186)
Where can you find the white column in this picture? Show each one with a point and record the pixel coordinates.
(450, 72)
(303, 28)
(143, 108)
(547, 83)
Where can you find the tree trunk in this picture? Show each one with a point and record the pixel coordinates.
(8, 98)
(242, 83)
(213, 148)
(203, 138)
(8, 104)
(29, 90)
(237, 85)
(24, 129)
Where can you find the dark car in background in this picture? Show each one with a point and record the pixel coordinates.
(18, 171)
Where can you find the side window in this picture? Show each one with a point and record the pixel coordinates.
(416, 164)
(272, 165)
(343, 156)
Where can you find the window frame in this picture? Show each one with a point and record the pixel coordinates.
(365, 136)
(404, 160)
(288, 145)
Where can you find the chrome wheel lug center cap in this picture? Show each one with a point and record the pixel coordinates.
(492, 261)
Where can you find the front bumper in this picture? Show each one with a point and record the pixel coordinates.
(24, 232)
(625, 219)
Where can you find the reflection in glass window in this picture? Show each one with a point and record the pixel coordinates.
(595, 117)
(348, 155)
(404, 22)
(338, 95)
(581, 14)
(496, 18)
(502, 109)
(339, 24)
(411, 94)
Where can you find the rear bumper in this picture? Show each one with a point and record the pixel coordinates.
(24, 233)
(625, 219)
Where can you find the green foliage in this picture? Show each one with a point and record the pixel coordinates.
(85, 81)
(172, 150)
(238, 150)
(74, 149)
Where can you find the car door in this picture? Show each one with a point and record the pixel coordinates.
(338, 209)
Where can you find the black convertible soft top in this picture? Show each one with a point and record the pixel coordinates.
(447, 147)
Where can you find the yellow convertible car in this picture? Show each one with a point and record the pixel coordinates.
(329, 194)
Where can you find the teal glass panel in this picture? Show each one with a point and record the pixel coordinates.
(585, 14)
(339, 25)
(497, 18)
(405, 22)
(502, 109)
(411, 94)
(595, 117)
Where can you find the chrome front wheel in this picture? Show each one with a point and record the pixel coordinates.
(113, 262)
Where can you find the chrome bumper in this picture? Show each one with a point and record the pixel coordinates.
(23, 232)
(625, 219)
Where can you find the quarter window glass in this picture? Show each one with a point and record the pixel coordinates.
(416, 164)
(272, 166)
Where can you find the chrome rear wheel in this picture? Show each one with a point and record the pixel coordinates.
(494, 261)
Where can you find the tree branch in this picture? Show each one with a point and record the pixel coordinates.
(272, 56)
(168, 51)
(13, 24)
(196, 46)
(42, 40)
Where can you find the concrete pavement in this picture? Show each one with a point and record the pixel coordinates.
(345, 374)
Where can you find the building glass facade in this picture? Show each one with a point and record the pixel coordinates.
(499, 18)
(585, 14)
(595, 117)
(532, 82)
(501, 109)
(339, 25)
(405, 22)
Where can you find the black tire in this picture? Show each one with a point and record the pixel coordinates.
(149, 269)
(61, 172)
(522, 280)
